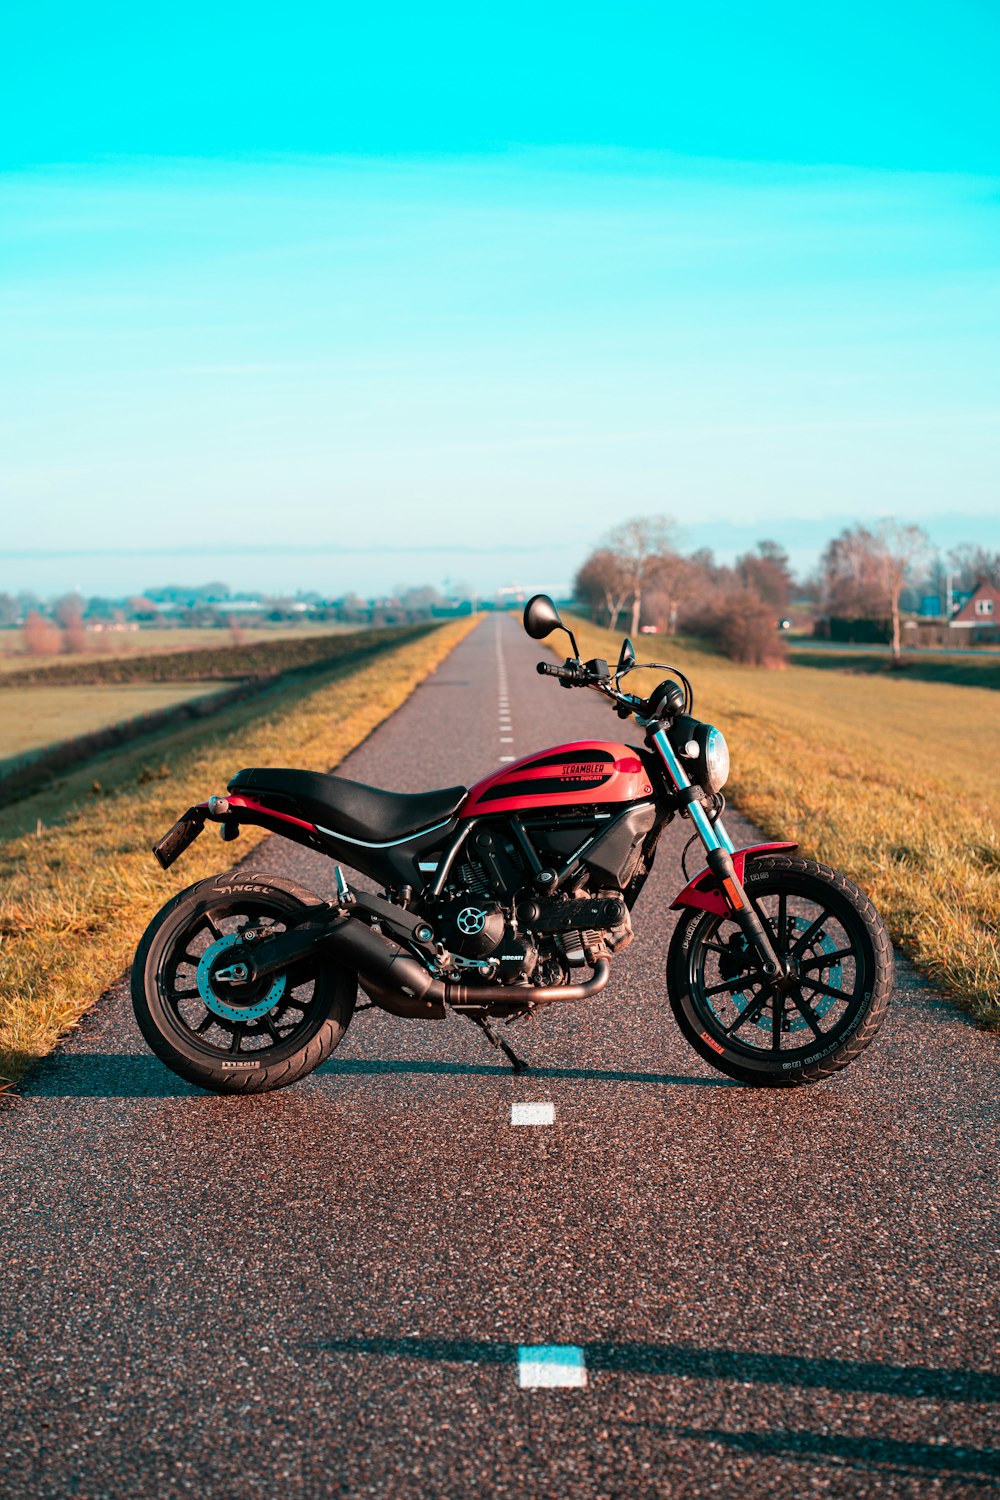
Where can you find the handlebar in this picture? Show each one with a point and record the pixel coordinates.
(575, 676)
(665, 701)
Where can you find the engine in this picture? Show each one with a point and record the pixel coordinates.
(490, 917)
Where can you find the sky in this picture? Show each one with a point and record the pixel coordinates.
(327, 298)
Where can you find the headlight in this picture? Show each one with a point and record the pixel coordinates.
(713, 762)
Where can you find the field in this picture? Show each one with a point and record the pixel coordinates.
(974, 669)
(894, 781)
(219, 662)
(37, 716)
(77, 895)
(150, 639)
(70, 712)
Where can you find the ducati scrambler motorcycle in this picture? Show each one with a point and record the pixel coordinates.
(503, 899)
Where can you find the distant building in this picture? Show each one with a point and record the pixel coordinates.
(980, 613)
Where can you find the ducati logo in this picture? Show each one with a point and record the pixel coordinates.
(470, 920)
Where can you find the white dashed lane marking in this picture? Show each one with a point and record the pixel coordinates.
(547, 1365)
(503, 701)
(532, 1114)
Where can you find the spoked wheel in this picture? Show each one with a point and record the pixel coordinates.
(216, 1029)
(820, 1013)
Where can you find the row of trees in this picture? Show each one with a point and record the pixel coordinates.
(640, 576)
(72, 623)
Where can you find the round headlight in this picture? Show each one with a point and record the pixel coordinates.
(715, 758)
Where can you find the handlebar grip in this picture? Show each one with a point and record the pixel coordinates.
(548, 669)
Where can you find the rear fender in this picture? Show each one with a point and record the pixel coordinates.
(231, 812)
(704, 893)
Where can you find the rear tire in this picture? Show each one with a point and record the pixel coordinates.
(293, 1022)
(734, 1018)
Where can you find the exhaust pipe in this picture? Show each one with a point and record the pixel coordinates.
(399, 983)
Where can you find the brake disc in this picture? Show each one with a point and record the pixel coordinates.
(219, 1007)
(733, 964)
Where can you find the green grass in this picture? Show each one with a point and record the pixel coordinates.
(961, 671)
(895, 782)
(34, 717)
(76, 896)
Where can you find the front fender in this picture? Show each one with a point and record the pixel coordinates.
(703, 892)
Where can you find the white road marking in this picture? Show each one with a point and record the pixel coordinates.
(503, 758)
(532, 1114)
(503, 701)
(546, 1365)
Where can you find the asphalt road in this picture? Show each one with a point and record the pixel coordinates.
(324, 1291)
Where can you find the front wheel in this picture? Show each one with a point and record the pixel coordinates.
(231, 1037)
(820, 1014)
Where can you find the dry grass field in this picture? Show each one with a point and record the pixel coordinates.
(33, 717)
(894, 781)
(76, 896)
(153, 638)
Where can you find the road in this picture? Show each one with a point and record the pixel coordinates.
(324, 1291)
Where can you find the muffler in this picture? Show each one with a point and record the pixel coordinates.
(399, 983)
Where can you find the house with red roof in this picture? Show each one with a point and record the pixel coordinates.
(980, 614)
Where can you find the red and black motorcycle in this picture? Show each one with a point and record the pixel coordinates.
(503, 899)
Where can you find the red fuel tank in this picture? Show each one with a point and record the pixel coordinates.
(587, 772)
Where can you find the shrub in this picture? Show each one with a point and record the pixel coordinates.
(743, 628)
(41, 637)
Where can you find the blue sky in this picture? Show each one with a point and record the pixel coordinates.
(303, 298)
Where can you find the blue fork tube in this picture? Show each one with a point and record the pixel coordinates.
(719, 849)
(712, 835)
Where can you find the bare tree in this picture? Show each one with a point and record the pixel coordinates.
(641, 545)
(866, 571)
(603, 583)
(972, 564)
(672, 580)
(766, 573)
(69, 615)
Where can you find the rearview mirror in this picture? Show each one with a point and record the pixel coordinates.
(626, 657)
(541, 617)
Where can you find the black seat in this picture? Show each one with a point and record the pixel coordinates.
(346, 807)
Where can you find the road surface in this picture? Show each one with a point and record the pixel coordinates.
(327, 1291)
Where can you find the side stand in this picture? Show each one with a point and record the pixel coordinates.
(517, 1063)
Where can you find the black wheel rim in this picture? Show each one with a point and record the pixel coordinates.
(801, 1015)
(259, 1026)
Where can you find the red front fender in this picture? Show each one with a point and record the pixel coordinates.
(703, 891)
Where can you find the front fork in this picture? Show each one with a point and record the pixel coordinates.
(719, 850)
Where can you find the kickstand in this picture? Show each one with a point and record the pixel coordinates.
(517, 1063)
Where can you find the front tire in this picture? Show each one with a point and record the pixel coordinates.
(236, 1039)
(815, 1021)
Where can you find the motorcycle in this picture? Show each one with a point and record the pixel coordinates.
(503, 899)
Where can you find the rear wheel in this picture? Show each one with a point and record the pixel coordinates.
(816, 1018)
(231, 1037)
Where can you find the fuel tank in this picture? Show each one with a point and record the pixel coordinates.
(581, 774)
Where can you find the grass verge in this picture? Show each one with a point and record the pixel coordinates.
(74, 898)
(893, 781)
